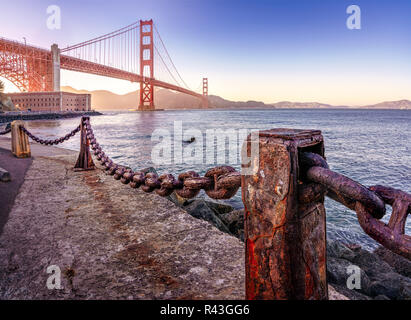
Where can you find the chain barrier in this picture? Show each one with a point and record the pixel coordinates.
(6, 131)
(368, 203)
(223, 182)
(50, 142)
(219, 183)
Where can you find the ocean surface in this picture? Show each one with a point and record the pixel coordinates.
(370, 146)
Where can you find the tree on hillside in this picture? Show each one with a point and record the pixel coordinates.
(1, 86)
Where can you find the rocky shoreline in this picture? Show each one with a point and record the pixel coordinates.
(7, 117)
(384, 274)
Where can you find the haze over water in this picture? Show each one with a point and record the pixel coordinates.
(369, 146)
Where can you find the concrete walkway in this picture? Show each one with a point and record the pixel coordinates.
(110, 241)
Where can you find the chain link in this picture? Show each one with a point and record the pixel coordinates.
(6, 131)
(51, 142)
(368, 203)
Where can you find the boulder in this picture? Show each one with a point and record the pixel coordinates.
(381, 297)
(371, 263)
(177, 200)
(397, 262)
(219, 208)
(199, 209)
(234, 220)
(392, 285)
(336, 249)
(149, 169)
(337, 275)
(4, 175)
(350, 294)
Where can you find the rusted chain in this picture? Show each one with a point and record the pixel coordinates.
(340, 187)
(50, 142)
(391, 235)
(219, 183)
(369, 203)
(6, 131)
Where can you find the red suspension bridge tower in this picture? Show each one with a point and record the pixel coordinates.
(146, 65)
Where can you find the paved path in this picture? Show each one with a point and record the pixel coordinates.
(109, 241)
(17, 169)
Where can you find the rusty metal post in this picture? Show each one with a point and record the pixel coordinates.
(20, 145)
(284, 220)
(84, 161)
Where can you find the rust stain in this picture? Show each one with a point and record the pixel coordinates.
(135, 255)
(139, 255)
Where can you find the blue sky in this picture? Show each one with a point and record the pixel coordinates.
(269, 50)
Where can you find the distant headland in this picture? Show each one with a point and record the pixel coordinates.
(165, 99)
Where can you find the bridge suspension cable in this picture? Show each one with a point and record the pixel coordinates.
(169, 57)
(118, 49)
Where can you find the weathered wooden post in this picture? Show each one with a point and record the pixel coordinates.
(20, 146)
(284, 235)
(84, 160)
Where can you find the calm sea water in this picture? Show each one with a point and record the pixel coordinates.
(370, 146)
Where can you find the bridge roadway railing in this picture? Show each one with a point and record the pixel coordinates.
(284, 222)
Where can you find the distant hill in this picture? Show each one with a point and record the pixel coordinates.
(302, 105)
(166, 99)
(401, 104)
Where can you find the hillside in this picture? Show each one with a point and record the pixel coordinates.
(166, 99)
(401, 104)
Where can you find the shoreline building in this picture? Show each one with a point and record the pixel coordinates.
(53, 101)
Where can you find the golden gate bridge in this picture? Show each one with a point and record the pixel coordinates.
(131, 53)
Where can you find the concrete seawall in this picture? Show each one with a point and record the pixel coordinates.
(109, 240)
(8, 117)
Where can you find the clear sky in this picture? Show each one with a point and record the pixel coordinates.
(268, 50)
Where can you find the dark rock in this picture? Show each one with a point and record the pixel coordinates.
(337, 270)
(234, 220)
(378, 278)
(148, 170)
(351, 294)
(397, 262)
(392, 285)
(371, 263)
(381, 297)
(337, 274)
(200, 210)
(338, 250)
(405, 292)
(177, 200)
(4, 175)
(219, 208)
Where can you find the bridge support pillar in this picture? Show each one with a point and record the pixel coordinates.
(146, 65)
(55, 54)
